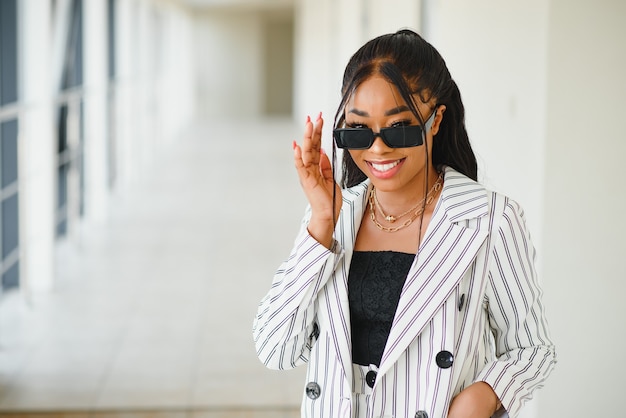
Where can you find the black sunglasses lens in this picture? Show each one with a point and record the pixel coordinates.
(359, 138)
(403, 136)
(356, 138)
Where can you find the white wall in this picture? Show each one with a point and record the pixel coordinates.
(278, 65)
(228, 49)
(497, 53)
(585, 201)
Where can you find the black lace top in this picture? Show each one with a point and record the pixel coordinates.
(375, 282)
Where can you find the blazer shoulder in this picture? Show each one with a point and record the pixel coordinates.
(462, 197)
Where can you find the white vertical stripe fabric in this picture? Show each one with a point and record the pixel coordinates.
(472, 290)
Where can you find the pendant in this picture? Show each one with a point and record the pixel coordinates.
(390, 218)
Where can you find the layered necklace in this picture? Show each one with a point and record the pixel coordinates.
(417, 209)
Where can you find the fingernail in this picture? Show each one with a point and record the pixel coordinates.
(322, 151)
(308, 119)
(319, 117)
(294, 144)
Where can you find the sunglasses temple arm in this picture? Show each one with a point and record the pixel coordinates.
(332, 166)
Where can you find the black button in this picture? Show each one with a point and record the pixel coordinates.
(421, 414)
(461, 301)
(444, 359)
(315, 333)
(370, 378)
(313, 390)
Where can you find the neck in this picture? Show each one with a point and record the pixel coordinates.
(397, 201)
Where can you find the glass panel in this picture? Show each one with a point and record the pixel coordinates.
(81, 160)
(8, 151)
(111, 150)
(8, 51)
(10, 225)
(62, 129)
(11, 278)
(73, 71)
(62, 228)
(111, 36)
(62, 200)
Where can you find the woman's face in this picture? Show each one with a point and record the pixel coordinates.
(377, 104)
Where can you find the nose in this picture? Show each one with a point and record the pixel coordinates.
(379, 146)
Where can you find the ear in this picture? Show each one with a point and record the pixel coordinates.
(438, 119)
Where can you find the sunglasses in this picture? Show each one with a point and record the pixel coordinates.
(396, 137)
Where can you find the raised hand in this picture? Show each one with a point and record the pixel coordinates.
(316, 178)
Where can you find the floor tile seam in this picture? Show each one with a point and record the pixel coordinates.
(108, 368)
(198, 352)
(121, 220)
(15, 376)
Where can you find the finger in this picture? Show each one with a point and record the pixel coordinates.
(297, 156)
(326, 168)
(317, 131)
(305, 173)
(310, 150)
(319, 122)
(310, 144)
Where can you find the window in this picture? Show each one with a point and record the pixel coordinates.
(70, 172)
(9, 192)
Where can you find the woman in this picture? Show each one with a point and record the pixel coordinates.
(415, 293)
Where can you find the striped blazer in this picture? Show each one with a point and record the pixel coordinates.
(471, 291)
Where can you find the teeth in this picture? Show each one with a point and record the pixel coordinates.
(385, 167)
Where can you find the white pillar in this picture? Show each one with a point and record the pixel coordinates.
(95, 108)
(125, 111)
(37, 152)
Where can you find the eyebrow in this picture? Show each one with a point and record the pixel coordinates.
(390, 112)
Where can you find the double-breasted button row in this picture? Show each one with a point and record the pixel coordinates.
(313, 390)
(444, 359)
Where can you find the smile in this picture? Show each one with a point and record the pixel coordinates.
(384, 167)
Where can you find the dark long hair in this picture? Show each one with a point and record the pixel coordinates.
(415, 67)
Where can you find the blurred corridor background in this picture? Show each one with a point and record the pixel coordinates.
(147, 192)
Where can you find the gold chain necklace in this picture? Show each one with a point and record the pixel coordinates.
(419, 208)
(391, 218)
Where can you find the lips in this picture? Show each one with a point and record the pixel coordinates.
(386, 166)
(385, 169)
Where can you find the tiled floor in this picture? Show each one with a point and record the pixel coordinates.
(153, 308)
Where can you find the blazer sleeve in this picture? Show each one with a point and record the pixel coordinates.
(525, 353)
(285, 327)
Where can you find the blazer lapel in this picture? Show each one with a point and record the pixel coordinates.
(448, 249)
(335, 307)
